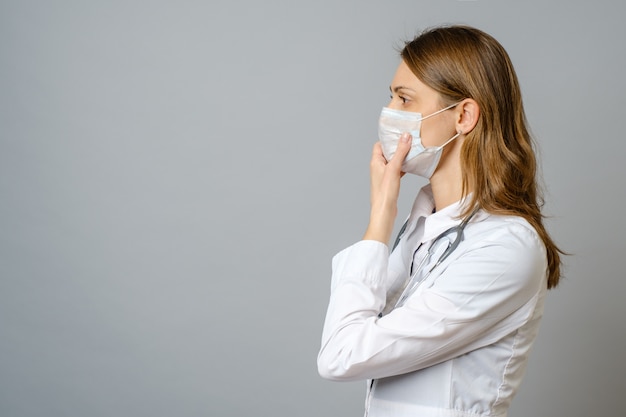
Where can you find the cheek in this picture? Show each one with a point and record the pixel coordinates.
(436, 134)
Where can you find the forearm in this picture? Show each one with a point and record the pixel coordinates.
(384, 189)
(381, 224)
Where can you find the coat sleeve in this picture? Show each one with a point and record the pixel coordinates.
(486, 292)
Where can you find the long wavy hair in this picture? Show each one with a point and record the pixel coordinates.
(497, 157)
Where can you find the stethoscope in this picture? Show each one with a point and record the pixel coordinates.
(413, 283)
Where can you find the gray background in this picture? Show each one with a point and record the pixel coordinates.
(176, 176)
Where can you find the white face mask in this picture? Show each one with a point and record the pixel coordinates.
(420, 160)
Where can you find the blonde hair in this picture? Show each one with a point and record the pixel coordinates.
(497, 158)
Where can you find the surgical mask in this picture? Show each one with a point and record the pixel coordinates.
(420, 160)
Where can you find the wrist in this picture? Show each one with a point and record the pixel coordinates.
(380, 226)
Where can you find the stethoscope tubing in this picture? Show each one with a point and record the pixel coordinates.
(412, 284)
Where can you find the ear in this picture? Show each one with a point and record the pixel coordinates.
(467, 115)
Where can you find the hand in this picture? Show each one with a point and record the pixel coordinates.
(384, 189)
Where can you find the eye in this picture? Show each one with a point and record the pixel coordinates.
(400, 99)
(404, 99)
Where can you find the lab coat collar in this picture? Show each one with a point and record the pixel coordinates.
(439, 221)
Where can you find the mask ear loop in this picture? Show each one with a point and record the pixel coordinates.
(440, 111)
(451, 139)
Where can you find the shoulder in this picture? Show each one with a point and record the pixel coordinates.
(501, 260)
(505, 247)
(510, 231)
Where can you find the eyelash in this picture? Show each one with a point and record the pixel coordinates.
(404, 99)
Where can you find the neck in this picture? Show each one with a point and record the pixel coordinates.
(446, 194)
(447, 182)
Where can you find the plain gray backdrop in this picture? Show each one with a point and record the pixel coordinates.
(176, 176)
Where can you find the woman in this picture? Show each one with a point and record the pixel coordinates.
(444, 324)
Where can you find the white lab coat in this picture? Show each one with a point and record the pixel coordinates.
(459, 345)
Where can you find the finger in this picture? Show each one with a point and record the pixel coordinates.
(377, 150)
(404, 146)
(377, 154)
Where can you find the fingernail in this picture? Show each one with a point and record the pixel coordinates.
(405, 137)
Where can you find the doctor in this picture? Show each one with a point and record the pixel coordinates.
(443, 325)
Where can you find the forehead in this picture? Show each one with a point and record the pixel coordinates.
(405, 79)
(404, 74)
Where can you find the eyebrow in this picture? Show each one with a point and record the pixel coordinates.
(400, 87)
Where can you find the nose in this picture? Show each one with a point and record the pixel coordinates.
(394, 104)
